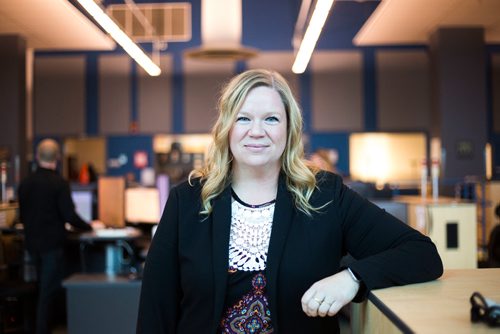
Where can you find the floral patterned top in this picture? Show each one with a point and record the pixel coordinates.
(247, 307)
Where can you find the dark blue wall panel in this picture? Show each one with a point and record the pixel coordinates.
(178, 93)
(127, 146)
(91, 91)
(370, 94)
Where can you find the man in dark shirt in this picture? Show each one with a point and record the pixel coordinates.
(45, 205)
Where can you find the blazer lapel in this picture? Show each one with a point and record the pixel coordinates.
(282, 220)
(221, 225)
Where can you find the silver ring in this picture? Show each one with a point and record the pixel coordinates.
(319, 301)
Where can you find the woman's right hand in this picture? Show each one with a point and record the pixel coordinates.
(327, 296)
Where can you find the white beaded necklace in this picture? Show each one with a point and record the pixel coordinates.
(250, 234)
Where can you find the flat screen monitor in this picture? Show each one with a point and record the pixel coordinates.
(83, 203)
(142, 205)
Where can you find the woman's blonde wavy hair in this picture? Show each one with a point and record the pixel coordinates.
(216, 174)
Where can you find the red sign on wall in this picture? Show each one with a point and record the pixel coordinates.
(140, 159)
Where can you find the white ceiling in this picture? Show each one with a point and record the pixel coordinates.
(51, 25)
(412, 21)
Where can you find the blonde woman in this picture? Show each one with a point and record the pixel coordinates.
(253, 242)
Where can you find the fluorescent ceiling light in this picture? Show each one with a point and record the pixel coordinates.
(311, 36)
(120, 37)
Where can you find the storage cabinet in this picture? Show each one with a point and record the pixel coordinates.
(451, 224)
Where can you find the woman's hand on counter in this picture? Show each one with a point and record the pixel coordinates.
(327, 296)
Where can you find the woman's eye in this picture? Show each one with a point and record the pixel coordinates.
(272, 119)
(242, 119)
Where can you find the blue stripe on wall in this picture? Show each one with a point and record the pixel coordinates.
(369, 89)
(178, 95)
(134, 105)
(489, 93)
(92, 95)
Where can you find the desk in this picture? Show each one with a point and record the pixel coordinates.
(98, 303)
(115, 242)
(440, 306)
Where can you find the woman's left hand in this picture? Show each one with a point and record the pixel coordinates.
(327, 296)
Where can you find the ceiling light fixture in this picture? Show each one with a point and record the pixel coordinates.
(221, 29)
(316, 23)
(120, 37)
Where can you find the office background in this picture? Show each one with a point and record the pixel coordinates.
(346, 89)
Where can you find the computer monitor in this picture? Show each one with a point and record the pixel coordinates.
(83, 203)
(142, 205)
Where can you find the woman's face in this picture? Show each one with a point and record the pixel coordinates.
(258, 136)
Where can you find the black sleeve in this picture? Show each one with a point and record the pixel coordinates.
(160, 292)
(387, 252)
(67, 209)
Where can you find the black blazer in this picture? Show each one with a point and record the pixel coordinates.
(185, 276)
(45, 205)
